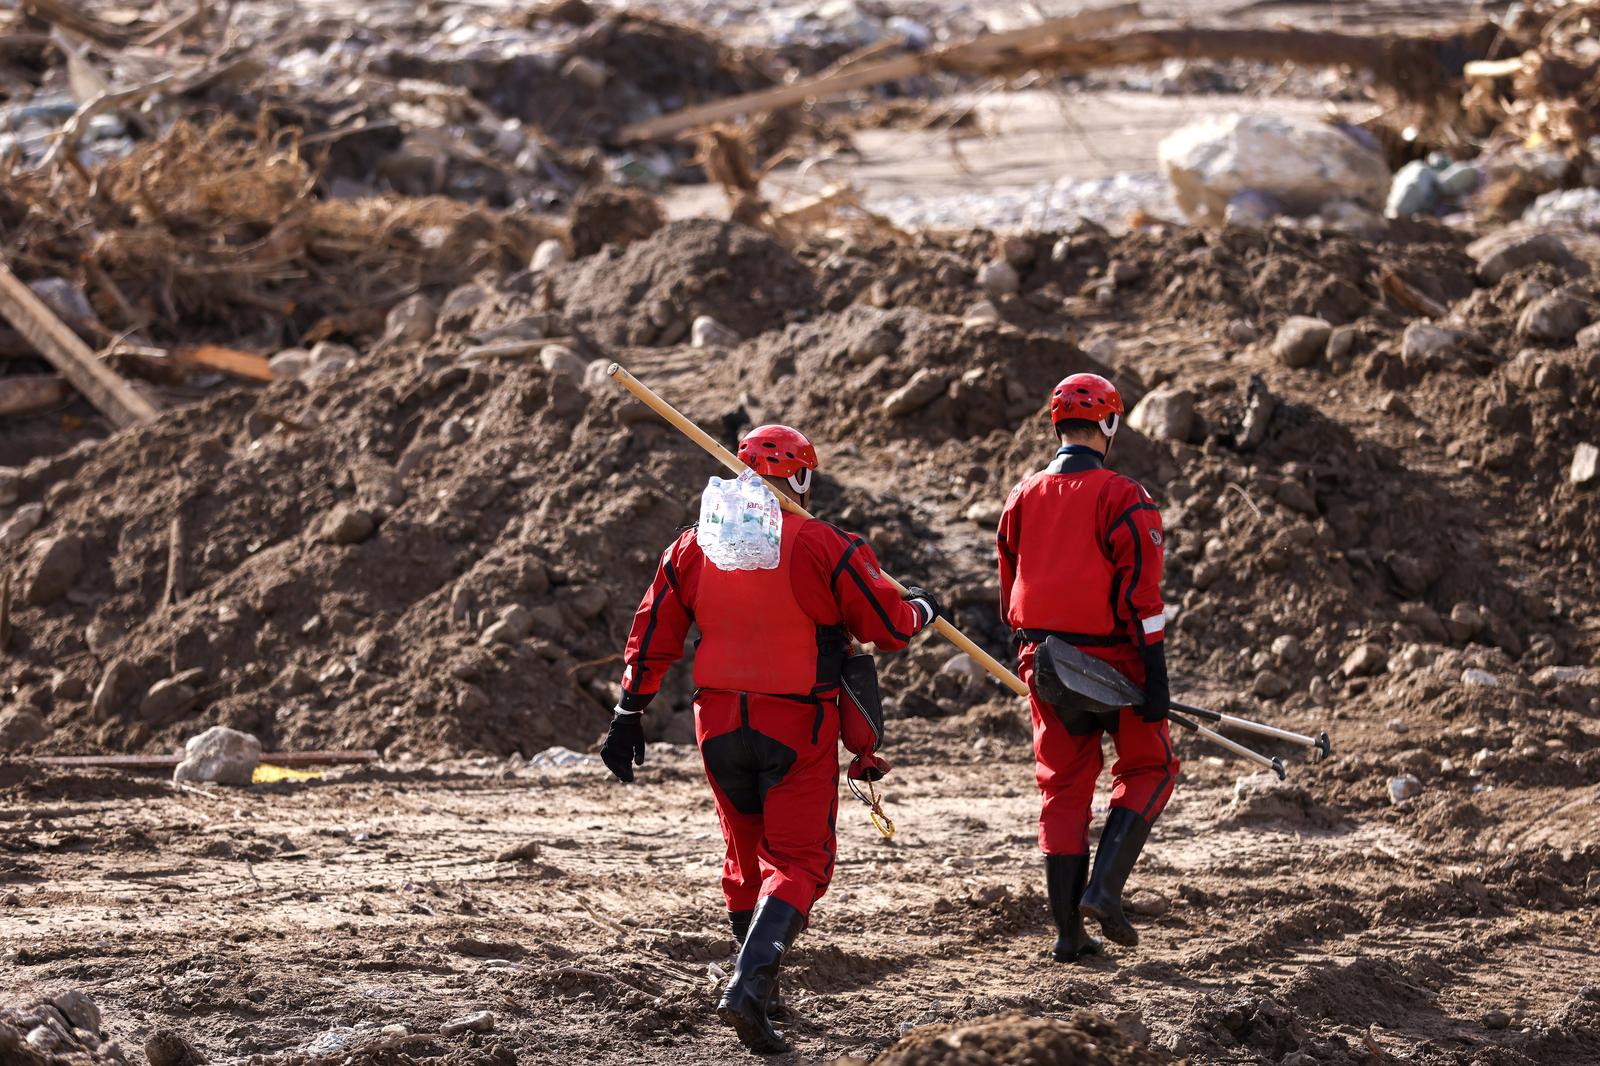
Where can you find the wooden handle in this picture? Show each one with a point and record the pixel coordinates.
(729, 460)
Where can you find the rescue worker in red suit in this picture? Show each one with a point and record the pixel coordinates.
(1080, 558)
(767, 710)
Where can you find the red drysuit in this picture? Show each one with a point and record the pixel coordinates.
(1080, 557)
(766, 671)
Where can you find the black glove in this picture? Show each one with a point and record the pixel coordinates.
(1157, 700)
(926, 605)
(624, 745)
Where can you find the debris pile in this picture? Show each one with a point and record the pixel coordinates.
(1084, 1037)
(61, 1031)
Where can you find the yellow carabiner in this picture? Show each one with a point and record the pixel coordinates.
(880, 821)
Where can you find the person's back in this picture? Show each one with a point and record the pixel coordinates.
(767, 675)
(1080, 553)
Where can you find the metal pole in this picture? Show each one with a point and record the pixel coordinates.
(1318, 743)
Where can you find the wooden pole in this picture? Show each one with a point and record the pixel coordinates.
(975, 54)
(167, 762)
(110, 394)
(729, 460)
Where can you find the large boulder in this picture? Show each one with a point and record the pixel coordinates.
(221, 755)
(1301, 163)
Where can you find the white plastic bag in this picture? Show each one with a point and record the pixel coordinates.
(741, 523)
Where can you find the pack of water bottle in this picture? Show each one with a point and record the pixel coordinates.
(741, 523)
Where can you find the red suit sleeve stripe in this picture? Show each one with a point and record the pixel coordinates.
(640, 664)
(861, 583)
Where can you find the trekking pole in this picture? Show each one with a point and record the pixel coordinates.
(729, 460)
(1319, 743)
(1001, 672)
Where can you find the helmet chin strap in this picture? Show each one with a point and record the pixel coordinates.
(801, 482)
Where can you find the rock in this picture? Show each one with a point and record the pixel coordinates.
(1320, 691)
(68, 687)
(1165, 414)
(586, 72)
(1459, 179)
(295, 681)
(1498, 255)
(460, 307)
(165, 1047)
(1556, 318)
(10, 485)
(1208, 573)
(1588, 339)
(411, 321)
(1365, 661)
(118, 689)
(707, 332)
(924, 387)
(481, 1021)
(517, 617)
(1579, 208)
(500, 633)
(103, 634)
(345, 524)
(550, 254)
(453, 431)
(69, 304)
(1270, 685)
(221, 755)
(1464, 621)
(1415, 191)
(982, 313)
(79, 1010)
(559, 359)
(879, 342)
(1404, 787)
(1585, 467)
(290, 363)
(985, 512)
(1302, 163)
(52, 570)
(1296, 497)
(1243, 332)
(999, 278)
(21, 727)
(1424, 618)
(1424, 342)
(963, 666)
(549, 621)
(22, 522)
(1496, 1019)
(1301, 340)
(1286, 649)
(1480, 678)
(1342, 343)
(168, 701)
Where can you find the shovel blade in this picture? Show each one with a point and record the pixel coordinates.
(1068, 677)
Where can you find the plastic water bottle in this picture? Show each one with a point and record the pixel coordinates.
(741, 523)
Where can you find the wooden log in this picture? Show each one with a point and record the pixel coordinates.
(1415, 65)
(175, 553)
(167, 762)
(227, 360)
(26, 394)
(971, 54)
(109, 393)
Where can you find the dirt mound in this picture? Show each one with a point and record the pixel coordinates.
(652, 292)
(609, 214)
(1083, 1037)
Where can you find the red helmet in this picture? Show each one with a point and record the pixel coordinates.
(778, 451)
(1087, 396)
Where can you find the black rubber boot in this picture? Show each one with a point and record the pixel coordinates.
(1120, 844)
(739, 921)
(1064, 876)
(743, 1006)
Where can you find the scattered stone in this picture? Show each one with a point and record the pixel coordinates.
(1404, 787)
(460, 307)
(1342, 343)
(1165, 414)
(453, 431)
(1588, 338)
(1286, 649)
(550, 254)
(220, 755)
(1242, 332)
(982, 313)
(1301, 341)
(52, 570)
(411, 321)
(1424, 342)
(1498, 255)
(985, 512)
(963, 666)
(167, 701)
(1208, 573)
(1365, 661)
(481, 1021)
(1426, 619)
(707, 332)
(586, 72)
(519, 853)
(164, 1047)
(22, 522)
(1473, 676)
(290, 363)
(1464, 621)
(1585, 467)
(1320, 691)
(925, 386)
(345, 524)
(295, 681)
(559, 359)
(10, 485)
(1415, 190)
(68, 687)
(21, 727)
(118, 689)
(1270, 685)
(79, 1010)
(1147, 902)
(999, 278)
(1556, 318)
(1496, 1019)
(1296, 497)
